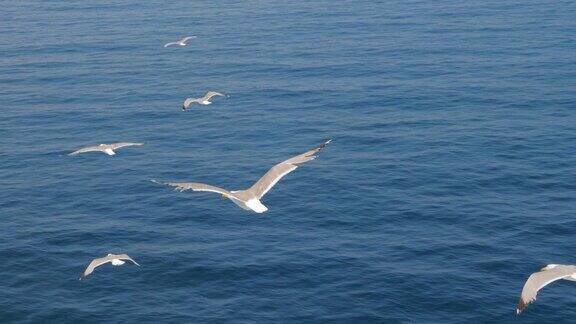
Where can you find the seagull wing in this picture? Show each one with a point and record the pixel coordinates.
(211, 94)
(189, 101)
(170, 44)
(182, 186)
(539, 280)
(185, 39)
(87, 149)
(119, 145)
(262, 186)
(125, 257)
(94, 264)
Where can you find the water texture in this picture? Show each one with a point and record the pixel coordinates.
(450, 178)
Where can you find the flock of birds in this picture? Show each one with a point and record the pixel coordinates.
(249, 199)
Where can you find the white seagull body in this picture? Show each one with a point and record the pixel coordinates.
(249, 199)
(114, 259)
(205, 100)
(539, 280)
(181, 42)
(105, 148)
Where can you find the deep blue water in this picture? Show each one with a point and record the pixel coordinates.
(450, 179)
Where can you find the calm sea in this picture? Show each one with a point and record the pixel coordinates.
(450, 179)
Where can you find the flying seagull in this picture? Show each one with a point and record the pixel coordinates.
(202, 100)
(539, 280)
(249, 199)
(181, 42)
(115, 259)
(106, 148)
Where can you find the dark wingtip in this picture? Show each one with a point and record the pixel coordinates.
(520, 307)
(323, 145)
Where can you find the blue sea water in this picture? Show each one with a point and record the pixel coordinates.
(450, 179)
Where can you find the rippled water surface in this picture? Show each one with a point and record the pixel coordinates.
(450, 179)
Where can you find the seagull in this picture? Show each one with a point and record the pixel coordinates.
(202, 100)
(539, 280)
(115, 259)
(249, 199)
(106, 148)
(181, 42)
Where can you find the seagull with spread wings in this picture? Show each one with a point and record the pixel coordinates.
(181, 42)
(202, 100)
(539, 280)
(249, 199)
(114, 259)
(105, 148)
